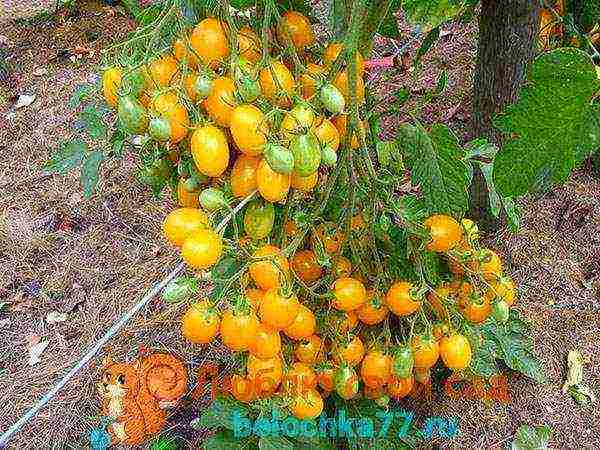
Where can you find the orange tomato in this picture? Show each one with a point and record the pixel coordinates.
(278, 310)
(186, 198)
(351, 352)
(308, 80)
(376, 369)
(162, 71)
(398, 387)
(304, 184)
(340, 124)
(182, 223)
(277, 89)
(221, 101)
(400, 300)
(295, 27)
(265, 374)
(254, 297)
(269, 273)
(327, 134)
(426, 351)
(238, 330)
(168, 106)
(489, 265)
(445, 232)
(248, 44)
(310, 350)
(249, 129)
(476, 309)
(298, 120)
(304, 264)
(303, 326)
(243, 176)
(209, 41)
(330, 236)
(183, 53)
(210, 150)
(349, 294)
(373, 311)
(342, 82)
(333, 50)
(200, 324)
(307, 405)
(111, 82)
(455, 351)
(272, 186)
(203, 249)
(242, 389)
(298, 379)
(266, 343)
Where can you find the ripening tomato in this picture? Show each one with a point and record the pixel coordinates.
(350, 294)
(200, 323)
(350, 352)
(325, 377)
(304, 184)
(373, 311)
(272, 270)
(209, 41)
(488, 264)
(426, 351)
(167, 105)
(249, 129)
(342, 82)
(272, 186)
(437, 298)
(303, 326)
(279, 310)
(254, 297)
(475, 308)
(400, 299)
(346, 382)
(327, 134)
(298, 120)
(290, 228)
(298, 379)
(503, 289)
(266, 343)
(185, 197)
(330, 237)
(304, 264)
(376, 369)
(242, 389)
(310, 350)
(341, 267)
(162, 71)
(295, 27)
(445, 232)
(455, 351)
(238, 330)
(183, 53)
(248, 44)
(333, 50)
(243, 175)
(221, 101)
(309, 79)
(307, 405)
(398, 387)
(182, 223)
(340, 123)
(278, 90)
(210, 150)
(203, 249)
(265, 374)
(258, 219)
(111, 82)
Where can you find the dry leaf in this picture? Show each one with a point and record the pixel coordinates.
(35, 351)
(56, 317)
(24, 100)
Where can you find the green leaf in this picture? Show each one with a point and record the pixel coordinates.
(82, 92)
(402, 95)
(513, 214)
(389, 25)
(589, 142)
(90, 172)
(117, 142)
(181, 288)
(221, 273)
(431, 12)
(91, 117)
(483, 359)
(68, 156)
(221, 413)
(225, 440)
(427, 43)
(442, 82)
(548, 122)
(275, 443)
(532, 438)
(436, 162)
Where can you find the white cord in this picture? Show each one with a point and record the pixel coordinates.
(90, 354)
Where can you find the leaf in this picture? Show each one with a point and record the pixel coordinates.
(91, 117)
(35, 352)
(180, 289)
(389, 25)
(442, 82)
(225, 440)
(427, 43)
(221, 413)
(435, 160)
(90, 172)
(431, 12)
(69, 155)
(275, 443)
(82, 92)
(221, 274)
(530, 438)
(117, 142)
(338, 18)
(546, 125)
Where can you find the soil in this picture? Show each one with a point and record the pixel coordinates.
(93, 259)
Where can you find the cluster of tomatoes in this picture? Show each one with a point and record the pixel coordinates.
(231, 114)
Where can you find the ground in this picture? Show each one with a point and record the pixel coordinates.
(93, 259)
